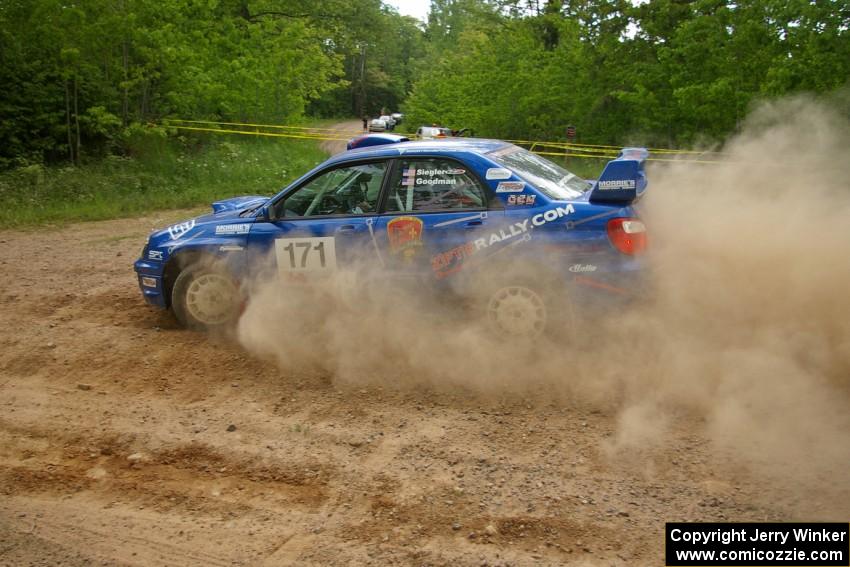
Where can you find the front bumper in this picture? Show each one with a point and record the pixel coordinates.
(151, 282)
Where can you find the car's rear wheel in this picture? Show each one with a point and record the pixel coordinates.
(529, 304)
(205, 298)
(517, 310)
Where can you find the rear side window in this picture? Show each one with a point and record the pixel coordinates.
(434, 184)
(555, 181)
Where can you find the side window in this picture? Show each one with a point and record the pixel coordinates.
(434, 184)
(350, 190)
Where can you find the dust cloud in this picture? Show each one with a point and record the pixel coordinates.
(750, 324)
(747, 330)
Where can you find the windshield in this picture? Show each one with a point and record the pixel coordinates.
(555, 181)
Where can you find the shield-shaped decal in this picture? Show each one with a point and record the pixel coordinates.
(405, 236)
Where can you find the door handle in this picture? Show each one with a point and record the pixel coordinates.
(346, 228)
(473, 224)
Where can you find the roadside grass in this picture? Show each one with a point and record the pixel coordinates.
(162, 173)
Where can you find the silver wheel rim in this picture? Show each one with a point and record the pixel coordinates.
(517, 310)
(210, 299)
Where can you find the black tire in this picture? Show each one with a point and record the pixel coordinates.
(205, 298)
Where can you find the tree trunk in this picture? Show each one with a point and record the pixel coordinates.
(76, 121)
(363, 102)
(125, 104)
(125, 62)
(143, 106)
(68, 123)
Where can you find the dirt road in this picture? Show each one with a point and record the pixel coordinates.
(127, 441)
(345, 130)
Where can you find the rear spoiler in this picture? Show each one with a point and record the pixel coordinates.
(623, 180)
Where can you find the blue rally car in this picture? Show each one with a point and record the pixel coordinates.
(526, 239)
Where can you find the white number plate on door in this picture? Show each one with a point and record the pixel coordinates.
(305, 254)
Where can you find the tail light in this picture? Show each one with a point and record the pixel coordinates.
(628, 235)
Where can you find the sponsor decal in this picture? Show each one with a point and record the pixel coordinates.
(432, 172)
(526, 200)
(498, 173)
(233, 228)
(510, 187)
(582, 268)
(520, 228)
(451, 261)
(615, 184)
(413, 176)
(405, 237)
(435, 181)
(155, 255)
(180, 229)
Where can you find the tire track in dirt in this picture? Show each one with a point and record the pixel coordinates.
(105, 543)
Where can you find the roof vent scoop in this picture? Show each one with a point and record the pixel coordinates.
(374, 140)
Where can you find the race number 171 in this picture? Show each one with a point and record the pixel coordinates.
(305, 254)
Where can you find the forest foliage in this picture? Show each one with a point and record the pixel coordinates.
(669, 73)
(84, 79)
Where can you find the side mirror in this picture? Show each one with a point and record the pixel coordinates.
(263, 214)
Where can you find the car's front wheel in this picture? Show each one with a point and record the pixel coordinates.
(205, 298)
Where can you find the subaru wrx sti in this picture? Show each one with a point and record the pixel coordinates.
(523, 237)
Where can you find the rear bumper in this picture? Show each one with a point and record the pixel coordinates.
(151, 282)
(604, 289)
(597, 284)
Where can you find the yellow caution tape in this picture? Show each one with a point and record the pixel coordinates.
(614, 149)
(270, 134)
(251, 125)
(681, 160)
(566, 149)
